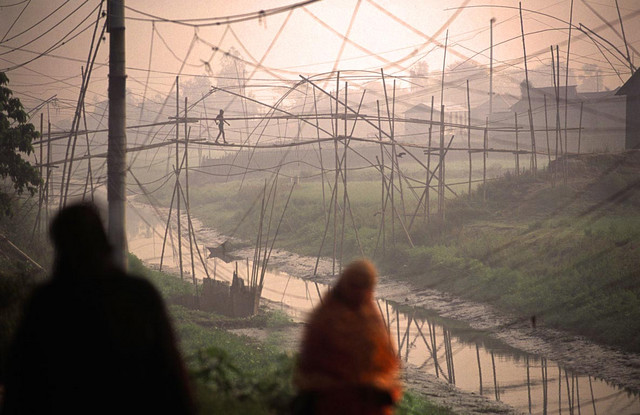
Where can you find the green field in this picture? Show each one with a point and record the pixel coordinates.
(566, 252)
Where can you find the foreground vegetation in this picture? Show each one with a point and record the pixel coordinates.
(231, 374)
(237, 375)
(566, 252)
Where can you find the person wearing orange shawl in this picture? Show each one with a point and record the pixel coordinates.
(348, 362)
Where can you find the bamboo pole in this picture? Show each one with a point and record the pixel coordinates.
(398, 329)
(577, 393)
(168, 225)
(395, 157)
(428, 183)
(343, 169)
(48, 182)
(580, 127)
(534, 162)
(391, 176)
(427, 204)
(545, 381)
(89, 169)
(569, 399)
(315, 107)
(495, 379)
(382, 178)
(434, 341)
(515, 115)
(273, 191)
(558, 124)
(624, 38)
(444, 61)
(177, 173)
(192, 235)
(566, 96)
(559, 390)
(469, 133)
(546, 128)
(41, 186)
(326, 229)
(484, 163)
(441, 169)
(273, 241)
(528, 382)
(335, 184)
(593, 399)
(479, 368)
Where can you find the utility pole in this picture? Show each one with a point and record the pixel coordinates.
(116, 152)
(493, 19)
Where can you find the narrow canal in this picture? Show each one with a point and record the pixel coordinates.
(447, 349)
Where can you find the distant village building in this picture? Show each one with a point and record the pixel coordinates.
(600, 115)
(631, 89)
(417, 123)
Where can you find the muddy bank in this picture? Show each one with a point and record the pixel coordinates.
(288, 338)
(573, 352)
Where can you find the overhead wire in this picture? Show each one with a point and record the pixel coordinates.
(15, 21)
(46, 32)
(222, 20)
(63, 41)
(37, 23)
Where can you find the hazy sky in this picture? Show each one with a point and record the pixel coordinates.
(382, 33)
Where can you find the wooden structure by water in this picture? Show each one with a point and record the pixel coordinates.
(234, 300)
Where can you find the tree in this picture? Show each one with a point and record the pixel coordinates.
(16, 135)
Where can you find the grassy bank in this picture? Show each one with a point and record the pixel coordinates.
(565, 252)
(232, 374)
(235, 374)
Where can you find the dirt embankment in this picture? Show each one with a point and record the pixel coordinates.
(572, 352)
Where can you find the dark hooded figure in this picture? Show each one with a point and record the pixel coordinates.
(348, 363)
(93, 339)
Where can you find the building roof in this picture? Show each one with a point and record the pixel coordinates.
(424, 109)
(501, 103)
(632, 86)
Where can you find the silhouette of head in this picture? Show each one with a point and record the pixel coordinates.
(356, 283)
(79, 240)
(221, 111)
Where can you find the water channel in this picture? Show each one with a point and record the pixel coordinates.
(447, 349)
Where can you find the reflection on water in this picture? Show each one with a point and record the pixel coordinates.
(445, 349)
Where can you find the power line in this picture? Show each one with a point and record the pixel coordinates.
(37, 23)
(14, 48)
(217, 21)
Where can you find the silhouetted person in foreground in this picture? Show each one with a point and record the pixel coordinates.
(93, 339)
(221, 121)
(348, 363)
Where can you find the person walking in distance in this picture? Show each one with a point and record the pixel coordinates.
(221, 121)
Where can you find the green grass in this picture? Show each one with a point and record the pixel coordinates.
(562, 252)
(231, 374)
(235, 374)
